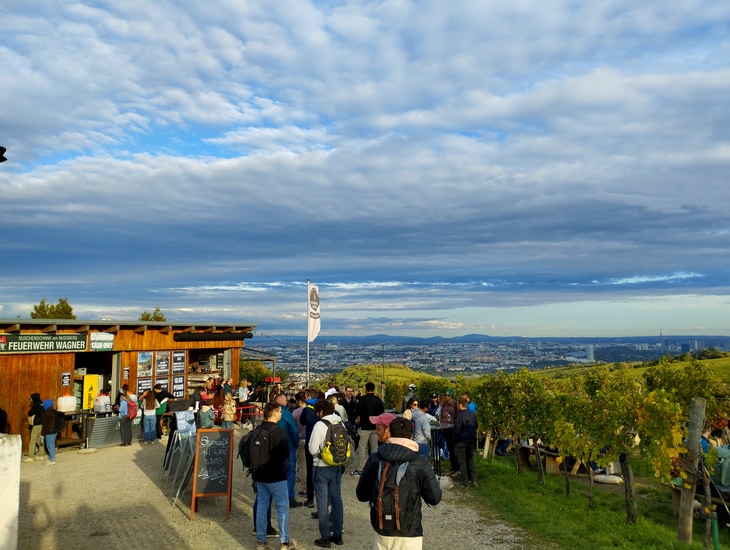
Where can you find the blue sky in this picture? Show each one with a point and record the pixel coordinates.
(438, 168)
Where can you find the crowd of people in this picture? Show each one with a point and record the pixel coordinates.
(378, 438)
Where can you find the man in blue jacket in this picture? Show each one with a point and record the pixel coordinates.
(289, 425)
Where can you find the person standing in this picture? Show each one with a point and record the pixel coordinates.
(149, 417)
(327, 478)
(418, 482)
(162, 396)
(422, 428)
(465, 441)
(411, 393)
(289, 425)
(48, 431)
(228, 411)
(35, 423)
(370, 405)
(271, 478)
(308, 419)
(349, 403)
(301, 459)
(125, 423)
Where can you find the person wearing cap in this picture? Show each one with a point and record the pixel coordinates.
(434, 407)
(399, 449)
(48, 431)
(382, 426)
(369, 405)
(407, 397)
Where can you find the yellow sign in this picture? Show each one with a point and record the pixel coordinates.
(91, 390)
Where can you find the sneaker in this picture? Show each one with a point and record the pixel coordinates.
(294, 503)
(146, 442)
(315, 515)
(50, 463)
(40, 458)
(356, 473)
(322, 543)
(153, 442)
(309, 504)
(337, 540)
(454, 475)
(28, 459)
(271, 532)
(302, 493)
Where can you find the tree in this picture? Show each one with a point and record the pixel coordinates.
(156, 315)
(61, 310)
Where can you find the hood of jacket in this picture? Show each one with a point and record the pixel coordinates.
(393, 452)
(36, 398)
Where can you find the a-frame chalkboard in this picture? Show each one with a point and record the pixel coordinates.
(213, 469)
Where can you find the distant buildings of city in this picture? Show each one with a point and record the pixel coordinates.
(478, 354)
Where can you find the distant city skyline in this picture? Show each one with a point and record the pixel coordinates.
(437, 168)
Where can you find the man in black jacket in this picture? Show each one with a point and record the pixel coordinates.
(418, 482)
(271, 476)
(35, 422)
(465, 442)
(369, 405)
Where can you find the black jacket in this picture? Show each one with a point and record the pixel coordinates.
(420, 476)
(36, 409)
(465, 427)
(369, 405)
(275, 468)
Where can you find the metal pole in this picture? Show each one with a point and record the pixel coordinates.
(307, 332)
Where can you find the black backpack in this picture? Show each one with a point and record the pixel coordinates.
(255, 449)
(391, 497)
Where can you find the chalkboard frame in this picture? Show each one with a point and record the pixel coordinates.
(204, 436)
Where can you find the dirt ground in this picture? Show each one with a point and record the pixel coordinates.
(118, 498)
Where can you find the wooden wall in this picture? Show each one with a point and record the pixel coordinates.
(21, 375)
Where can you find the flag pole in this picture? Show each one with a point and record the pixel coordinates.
(307, 332)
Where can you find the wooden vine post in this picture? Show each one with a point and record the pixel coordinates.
(687, 495)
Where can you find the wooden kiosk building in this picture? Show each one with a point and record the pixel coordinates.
(58, 357)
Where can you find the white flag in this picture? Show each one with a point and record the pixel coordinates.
(312, 312)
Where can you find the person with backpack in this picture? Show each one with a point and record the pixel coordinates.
(268, 452)
(49, 430)
(35, 424)
(127, 407)
(329, 446)
(394, 481)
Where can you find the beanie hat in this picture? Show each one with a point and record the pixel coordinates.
(47, 404)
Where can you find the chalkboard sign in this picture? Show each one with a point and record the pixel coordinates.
(213, 466)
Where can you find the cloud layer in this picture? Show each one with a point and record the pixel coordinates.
(438, 168)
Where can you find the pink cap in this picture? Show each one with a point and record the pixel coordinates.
(385, 419)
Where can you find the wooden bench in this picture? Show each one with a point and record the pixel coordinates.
(551, 461)
(677, 495)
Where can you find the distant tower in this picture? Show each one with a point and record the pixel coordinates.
(589, 353)
(662, 342)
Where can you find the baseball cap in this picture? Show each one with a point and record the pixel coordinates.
(412, 387)
(385, 419)
(434, 395)
(329, 392)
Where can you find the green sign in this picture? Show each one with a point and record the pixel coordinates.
(41, 343)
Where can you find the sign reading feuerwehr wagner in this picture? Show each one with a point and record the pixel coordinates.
(42, 343)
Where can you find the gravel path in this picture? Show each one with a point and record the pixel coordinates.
(116, 498)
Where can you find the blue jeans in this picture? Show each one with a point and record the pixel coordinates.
(423, 449)
(291, 473)
(148, 426)
(328, 487)
(226, 424)
(51, 446)
(279, 493)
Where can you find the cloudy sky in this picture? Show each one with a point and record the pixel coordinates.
(527, 168)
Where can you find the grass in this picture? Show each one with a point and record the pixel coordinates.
(551, 518)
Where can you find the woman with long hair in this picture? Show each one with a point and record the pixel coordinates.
(149, 417)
